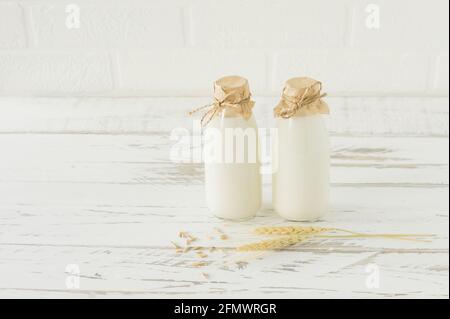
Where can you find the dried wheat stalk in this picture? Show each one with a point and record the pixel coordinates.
(200, 264)
(273, 244)
(201, 254)
(291, 236)
(288, 236)
(290, 230)
(294, 235)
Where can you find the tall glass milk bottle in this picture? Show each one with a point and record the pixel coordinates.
(232, 169)
(301, 178)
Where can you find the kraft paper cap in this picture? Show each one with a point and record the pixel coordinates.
(301, 97)
(231, 89)
(232, 96)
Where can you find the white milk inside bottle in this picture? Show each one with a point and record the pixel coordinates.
(301, 179)
(232, 169)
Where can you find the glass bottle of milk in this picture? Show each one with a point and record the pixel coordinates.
(301, 179)
(232, 169)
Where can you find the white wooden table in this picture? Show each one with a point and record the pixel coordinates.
(88, 183)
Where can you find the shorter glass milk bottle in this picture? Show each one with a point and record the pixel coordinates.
(232, 169)
(301, 175)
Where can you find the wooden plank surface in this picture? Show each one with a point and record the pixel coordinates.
(88, 182)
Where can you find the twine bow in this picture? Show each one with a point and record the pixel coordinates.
(296, 103)
(218, 105)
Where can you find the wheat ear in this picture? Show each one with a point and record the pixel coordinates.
(291, 230)
(273, 244)
(309, 231)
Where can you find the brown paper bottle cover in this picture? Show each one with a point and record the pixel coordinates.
(301, 97)
(231, 93)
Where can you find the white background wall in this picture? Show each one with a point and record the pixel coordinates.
(178, 47)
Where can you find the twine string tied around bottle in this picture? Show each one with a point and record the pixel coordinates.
(309, 96)
(218, 105)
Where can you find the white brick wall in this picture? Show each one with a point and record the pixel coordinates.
(366, 73)
(268, 24)
(55, 73)
(187, 72)
(12, 29)
(178, 47)
(106, 25)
